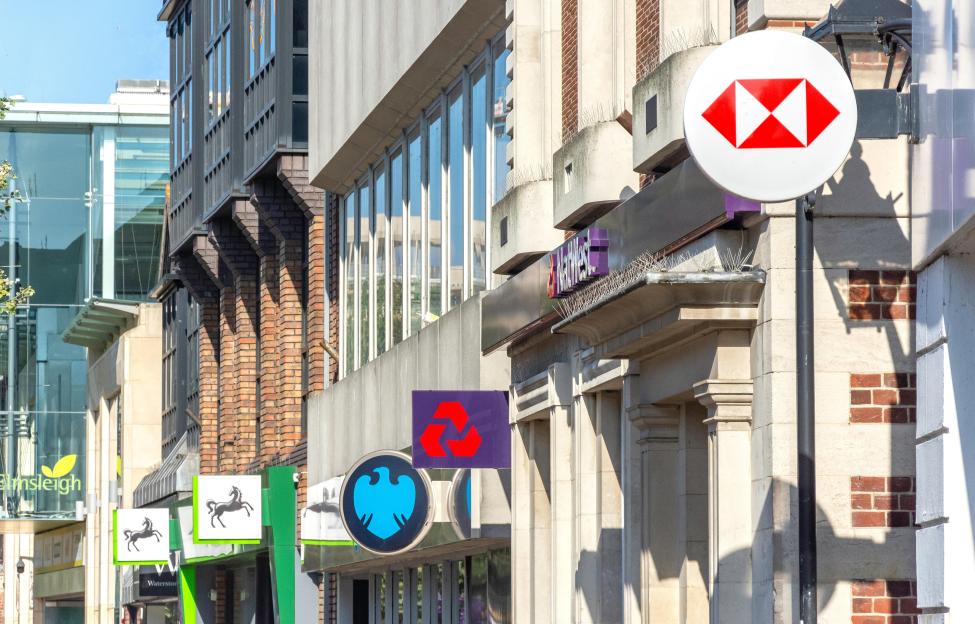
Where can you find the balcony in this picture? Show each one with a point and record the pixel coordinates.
(593, 173)
(658, 122)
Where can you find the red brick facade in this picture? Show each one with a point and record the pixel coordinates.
(884, 602)
(883, 398)
(882, 501)
(741, 16)
(882, 295)
(570, 68)
(647, 36)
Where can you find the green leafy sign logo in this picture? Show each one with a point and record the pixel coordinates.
(61, 468)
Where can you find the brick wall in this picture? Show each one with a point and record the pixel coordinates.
(882, 295)
(741, 16)
(882, 501)
(570, 68)
(883, 397)
(884, 602)
(647, 36)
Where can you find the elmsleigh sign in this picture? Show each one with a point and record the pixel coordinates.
(578, 261)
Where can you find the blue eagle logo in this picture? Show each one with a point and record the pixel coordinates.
(384, 504)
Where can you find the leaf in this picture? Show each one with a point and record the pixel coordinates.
(64, 466)
(118, 465)
(47, 472)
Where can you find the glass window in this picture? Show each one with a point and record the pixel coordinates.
(365, 266)
(397, 259)
(272, 26)
(501, 138)
(210, 80)
(350, 264)
(479, 172)
(379, 216)
(262, 33)
(51, 230)
(415, 223)
(300, 10)
(455, 172)
(252, 38)
(141, 174)
(423, 246)
(226, 69)
(434, 214)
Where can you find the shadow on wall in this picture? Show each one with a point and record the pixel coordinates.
(861, 558)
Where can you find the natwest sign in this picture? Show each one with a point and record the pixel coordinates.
(770, 116)
(579, 260)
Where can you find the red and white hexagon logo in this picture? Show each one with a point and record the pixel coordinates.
(770, 116)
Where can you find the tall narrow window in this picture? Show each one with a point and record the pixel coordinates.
(501, 138)
(226, 69)
(479, 191)
(379, 216)
(455, 219)
(415, 232)
(397, 259)
(365, 271)
(350, 263)
(435, 215)
(252, 38)
(272, 25)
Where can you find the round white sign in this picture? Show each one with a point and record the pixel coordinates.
(770, 116)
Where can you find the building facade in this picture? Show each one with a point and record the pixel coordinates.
(652, 408)
(241, 290)
(87, 224)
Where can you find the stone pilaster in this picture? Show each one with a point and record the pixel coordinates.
(729, 406)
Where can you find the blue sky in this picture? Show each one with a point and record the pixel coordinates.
(75, 50)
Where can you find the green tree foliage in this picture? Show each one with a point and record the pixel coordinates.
(11, 295)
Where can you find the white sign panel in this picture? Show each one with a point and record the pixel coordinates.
(227, 508)
(770, 116)
(191, 549)
(141, 536)
(321, 522)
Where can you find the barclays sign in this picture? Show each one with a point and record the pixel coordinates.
(386, 503)
(578, 261)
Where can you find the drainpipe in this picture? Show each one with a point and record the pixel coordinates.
(806, 409)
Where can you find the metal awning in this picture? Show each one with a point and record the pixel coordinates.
(173, 476)
(101, 322)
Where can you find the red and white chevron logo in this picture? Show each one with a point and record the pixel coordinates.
(770, 113)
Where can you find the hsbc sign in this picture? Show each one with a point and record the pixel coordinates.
(770, 116)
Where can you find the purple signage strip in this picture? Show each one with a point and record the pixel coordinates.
(461, 429)
(578, 261)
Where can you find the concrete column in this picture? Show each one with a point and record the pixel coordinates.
(602, 51)
(658, 494)
(531, 572)
(599, 512)
(729, 405)
(563, 505)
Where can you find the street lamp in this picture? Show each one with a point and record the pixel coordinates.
(861, 33)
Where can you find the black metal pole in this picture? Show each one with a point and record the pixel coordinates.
(806, 410)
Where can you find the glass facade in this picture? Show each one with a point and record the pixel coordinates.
(89, 224)
(437, 176)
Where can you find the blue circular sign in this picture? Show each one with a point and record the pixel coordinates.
(460, 503)
(385, 503)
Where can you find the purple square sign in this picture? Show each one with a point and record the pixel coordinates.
(461, 429)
